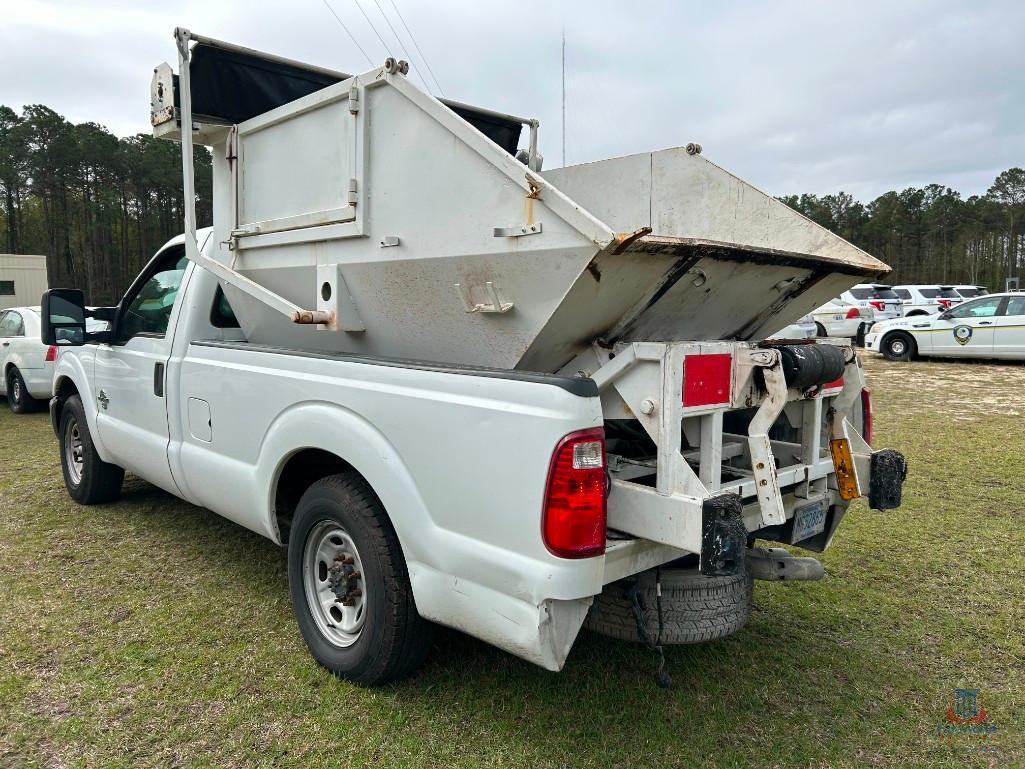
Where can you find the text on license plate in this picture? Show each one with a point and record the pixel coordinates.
(809, 520)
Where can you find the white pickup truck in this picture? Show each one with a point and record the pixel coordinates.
(500, 412)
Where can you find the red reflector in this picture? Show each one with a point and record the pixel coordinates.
(866, 415)
(51, 353)
(838, 382)
(852, 313)
(573, 520)
(879, 304)
(707, 379)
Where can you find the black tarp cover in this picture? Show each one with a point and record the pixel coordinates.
(233, 86)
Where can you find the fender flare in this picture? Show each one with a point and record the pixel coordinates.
(347, 435)
(70, 368)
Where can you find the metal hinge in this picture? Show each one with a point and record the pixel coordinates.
(352, 192)
(353, 100)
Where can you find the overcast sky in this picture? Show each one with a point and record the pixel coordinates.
(793, 96)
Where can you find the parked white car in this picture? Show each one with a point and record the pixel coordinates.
(927, 299)
(804, 328)
(970, 292)
(991, 326)
(842, 319)
(878, 297)
(26, 364)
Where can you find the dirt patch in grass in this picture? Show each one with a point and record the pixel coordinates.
(151, 633)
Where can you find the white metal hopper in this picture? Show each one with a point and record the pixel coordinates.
(414, 235)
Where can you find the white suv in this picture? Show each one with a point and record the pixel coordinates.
(877, 297)
(926, 300)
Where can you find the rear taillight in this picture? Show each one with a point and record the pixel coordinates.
(879, 304)
(51, 353)
(866, 415)
(707, 379)
(945, 303)
(573, 520)
(853, 313)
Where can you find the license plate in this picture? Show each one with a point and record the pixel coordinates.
(809, 520)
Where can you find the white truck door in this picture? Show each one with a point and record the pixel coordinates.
(1009, 332)
(130, 372)
(967, 330)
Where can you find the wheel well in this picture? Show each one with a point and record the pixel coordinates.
(65, 389)
(301, 470)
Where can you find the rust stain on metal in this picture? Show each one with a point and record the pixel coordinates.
(314, 317)
(535, 191)
(624, 239)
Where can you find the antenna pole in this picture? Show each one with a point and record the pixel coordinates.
(564, 96)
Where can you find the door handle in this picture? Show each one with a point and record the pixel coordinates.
(6, 344)
(158, 379)
(985, 323)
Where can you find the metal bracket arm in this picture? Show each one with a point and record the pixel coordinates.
(763, 463)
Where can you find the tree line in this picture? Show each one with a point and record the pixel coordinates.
(932, 234)
(99, 206)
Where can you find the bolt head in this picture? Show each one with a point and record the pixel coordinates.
(647, 406)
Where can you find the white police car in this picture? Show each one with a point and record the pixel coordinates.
(992, 326)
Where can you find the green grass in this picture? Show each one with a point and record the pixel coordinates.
(152, 633)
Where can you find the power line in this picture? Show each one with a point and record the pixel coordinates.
(416, 45)
(402, 45)
(348, 32)
(373, 27)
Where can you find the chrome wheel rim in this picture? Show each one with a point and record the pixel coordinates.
(15, 389)
(334, 584)
(897, 347)
(73, 451)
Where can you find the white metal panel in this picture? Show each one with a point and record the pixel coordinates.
(298, 161)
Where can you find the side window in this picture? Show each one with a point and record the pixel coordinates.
(7, 288)
(11, 324)
(221, 314)
(148, 311)
(980, 308)
(903, 293)
(1015, 306)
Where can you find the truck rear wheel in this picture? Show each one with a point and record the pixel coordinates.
(350, 586)
(695, 608)
(89, 480)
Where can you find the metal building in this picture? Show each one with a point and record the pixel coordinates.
(22, 280)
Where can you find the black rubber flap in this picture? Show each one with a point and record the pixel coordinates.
(723, 536)
(232, 87)
(889, 471)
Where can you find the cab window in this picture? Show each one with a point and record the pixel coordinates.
(147, 311)
(221, 314)
(980, 308)
(11, 324)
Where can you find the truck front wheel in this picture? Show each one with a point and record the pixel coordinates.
(89, 480)
(350, 586)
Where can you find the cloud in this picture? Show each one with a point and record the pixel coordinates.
(793, 96)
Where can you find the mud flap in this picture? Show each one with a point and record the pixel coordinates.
(888, 473)
(723, 536)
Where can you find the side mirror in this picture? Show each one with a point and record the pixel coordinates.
(63, 317)
(945, 315)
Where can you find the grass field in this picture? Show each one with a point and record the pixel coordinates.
(152, 633)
